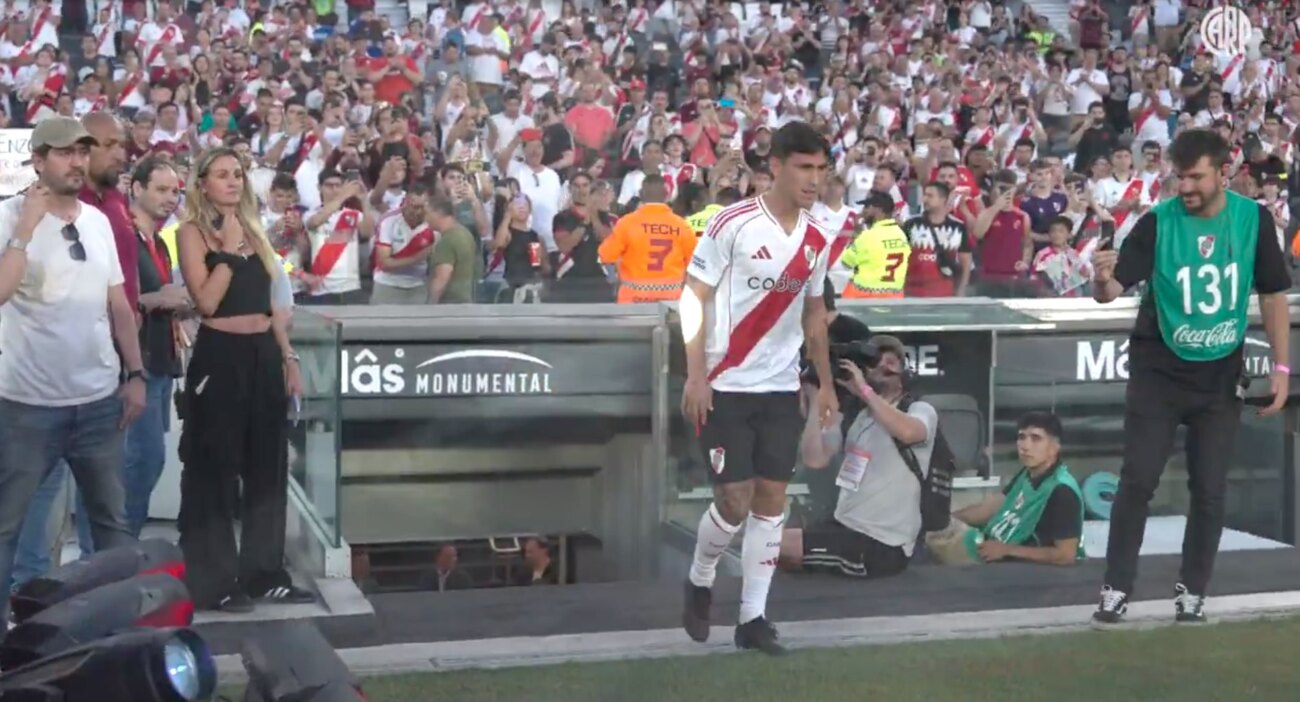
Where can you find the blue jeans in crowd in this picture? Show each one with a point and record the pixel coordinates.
(33, 439)
(145, 457)
(36, 539)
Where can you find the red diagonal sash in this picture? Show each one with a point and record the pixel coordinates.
(421, 239)
(331, 251)
(763, 317)
(53, 84)
(1231, 67)
(104, 33)
(1132, 192)
(132, 83)
(1138, 20)
(156, 50)
(38, 24)
(1142, 118)
(1026, 132)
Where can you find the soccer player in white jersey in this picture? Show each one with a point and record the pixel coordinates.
(753, 296)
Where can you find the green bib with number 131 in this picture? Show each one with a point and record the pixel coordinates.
(1204, 272)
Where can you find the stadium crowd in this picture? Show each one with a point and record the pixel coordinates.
(510, 136)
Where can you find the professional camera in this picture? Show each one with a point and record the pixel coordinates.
(863, 353)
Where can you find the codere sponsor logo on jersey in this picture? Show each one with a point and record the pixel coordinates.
(785, 283)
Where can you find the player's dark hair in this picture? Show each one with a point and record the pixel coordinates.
(728, 196)
(1038, 419)
(1191, 146)
(798, 138)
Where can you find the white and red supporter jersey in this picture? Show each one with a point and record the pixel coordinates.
(843, 227)
(404, 241)
(761, 274)
(335, 255)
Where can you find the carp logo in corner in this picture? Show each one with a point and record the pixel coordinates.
(718, 459)
(1225, 30)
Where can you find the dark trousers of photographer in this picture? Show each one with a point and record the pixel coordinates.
(1155, 405)
(235, 454)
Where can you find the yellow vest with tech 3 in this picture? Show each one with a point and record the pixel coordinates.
(878, 258)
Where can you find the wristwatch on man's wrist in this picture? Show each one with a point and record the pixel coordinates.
(18, 244)
(132, 375)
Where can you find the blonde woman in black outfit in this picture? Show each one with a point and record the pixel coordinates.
(237, 388)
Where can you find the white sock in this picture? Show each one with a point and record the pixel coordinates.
(758, 553)
(711, 539)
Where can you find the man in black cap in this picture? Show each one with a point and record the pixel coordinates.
(878, 256)
(62, 393)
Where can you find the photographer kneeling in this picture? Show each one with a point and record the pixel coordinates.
(878, 514)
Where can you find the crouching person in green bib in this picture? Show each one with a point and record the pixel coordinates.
(1201, 254)
(1039, 516)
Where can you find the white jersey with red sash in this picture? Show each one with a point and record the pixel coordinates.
(43, 30)
(131, 95)
(980, 136)
(404, 241)
(842, 224)
(1134, 189)
(39, 108)
(335, 256)
(1230, 71)
(638, 19)
(153, 38)
(1010, 134)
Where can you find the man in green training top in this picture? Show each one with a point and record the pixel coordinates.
(1039, 517)
(1202, 253)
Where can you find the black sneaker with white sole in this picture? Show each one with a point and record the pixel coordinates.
(286, 594)
(1114, 604)
(759, 635)
(695, 611)
(1188, 608)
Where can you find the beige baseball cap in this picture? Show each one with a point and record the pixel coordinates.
(59, 133)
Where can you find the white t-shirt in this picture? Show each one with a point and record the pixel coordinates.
(761, 275)
(485, 68)
(56, 339)
(546, 192)
(1084, 94)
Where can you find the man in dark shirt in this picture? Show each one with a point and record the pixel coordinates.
(578, 233)
(1093, 137)
(1202, 253)
(557, 143)
(1196, 84)
(155, 190)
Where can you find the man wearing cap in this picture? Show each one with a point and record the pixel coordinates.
(62, 393)
(878, 256)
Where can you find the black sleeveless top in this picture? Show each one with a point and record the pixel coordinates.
(250, 285)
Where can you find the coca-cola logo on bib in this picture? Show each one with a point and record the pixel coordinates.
(1218, 335)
